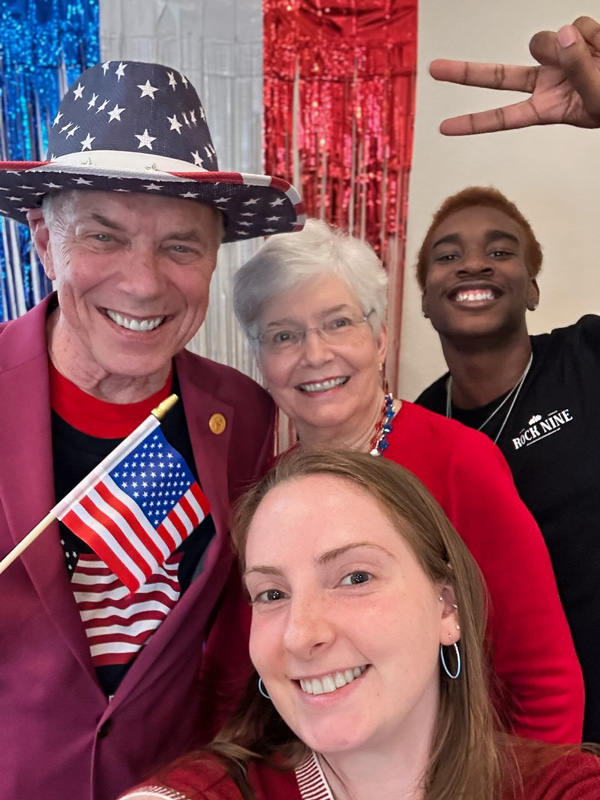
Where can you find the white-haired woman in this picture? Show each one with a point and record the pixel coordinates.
(313, 306)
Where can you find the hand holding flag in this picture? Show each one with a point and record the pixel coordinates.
(135, 508)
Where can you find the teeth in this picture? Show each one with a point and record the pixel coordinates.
(465, 297)
(134, 324)
(322, 386)
(329, 683)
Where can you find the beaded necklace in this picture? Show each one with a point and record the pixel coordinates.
(379, 443)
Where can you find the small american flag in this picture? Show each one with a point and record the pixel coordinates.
(137, 506)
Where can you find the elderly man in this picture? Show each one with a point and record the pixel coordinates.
(97, 685)
(537, 396)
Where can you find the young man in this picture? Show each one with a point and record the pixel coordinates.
(536, 397)
(99, 686)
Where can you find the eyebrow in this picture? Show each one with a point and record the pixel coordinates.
(324, 558)
(490, 236)
(178, 236)
(294, 321)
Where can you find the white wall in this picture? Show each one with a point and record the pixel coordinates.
(552, 174)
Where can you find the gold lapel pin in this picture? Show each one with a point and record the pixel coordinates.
(217, 423)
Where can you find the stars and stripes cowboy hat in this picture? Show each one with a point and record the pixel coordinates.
(128, 126)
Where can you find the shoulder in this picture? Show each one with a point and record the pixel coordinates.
(217, 378)
(451, 438)
(560, 776)
(434, 396)
(188, 779)
(24, 338)
(585, 331)
(206, 778)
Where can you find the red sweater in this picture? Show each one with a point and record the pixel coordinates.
(533, 654)
(572, 777)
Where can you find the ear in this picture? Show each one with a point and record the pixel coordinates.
(41, 239)
(449, 621)
(382, 344)
(533, 295)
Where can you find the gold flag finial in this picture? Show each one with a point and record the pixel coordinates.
(164, 407)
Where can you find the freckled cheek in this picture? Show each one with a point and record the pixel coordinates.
(264, 646)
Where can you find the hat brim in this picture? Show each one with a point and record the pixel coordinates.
(252, 205)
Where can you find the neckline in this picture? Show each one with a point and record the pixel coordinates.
(96, 417)
(510, 397)
(311, 779)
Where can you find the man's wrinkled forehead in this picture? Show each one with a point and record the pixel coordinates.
(191, 220)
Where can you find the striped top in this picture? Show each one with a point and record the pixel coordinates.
(311, 780)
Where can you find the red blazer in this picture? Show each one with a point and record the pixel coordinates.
(59, 736)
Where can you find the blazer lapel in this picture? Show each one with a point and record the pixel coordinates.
(211, 454)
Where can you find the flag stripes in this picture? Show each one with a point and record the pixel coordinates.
(137, 506)
(118, 623)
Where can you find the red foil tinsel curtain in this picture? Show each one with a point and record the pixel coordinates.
(339, 107)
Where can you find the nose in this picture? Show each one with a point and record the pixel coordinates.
(315, 350)
(142, 273)
(309, 626)
(474, 262)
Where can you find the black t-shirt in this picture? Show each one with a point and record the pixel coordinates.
(75, 454)
(551, 441)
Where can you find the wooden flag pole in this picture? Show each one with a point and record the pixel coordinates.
(159, 412)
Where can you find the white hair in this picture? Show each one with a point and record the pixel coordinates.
(290, 259)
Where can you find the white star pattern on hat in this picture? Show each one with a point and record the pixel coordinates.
(147, 90)
(102, 107)
(86, 144)
(105, 66)
(120, 71)
(145, 139)
(92, 101)
(77, 93)
(175, 124)
(172, 81)
(115, 113)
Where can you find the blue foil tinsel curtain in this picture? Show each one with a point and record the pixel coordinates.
(44, 46)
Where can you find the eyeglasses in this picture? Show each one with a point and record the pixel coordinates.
(334, 330)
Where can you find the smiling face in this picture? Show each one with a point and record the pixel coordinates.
(329, 389)
(132, 273)
(346, 625)
(477, 283)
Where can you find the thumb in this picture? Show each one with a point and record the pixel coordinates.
(576, 60)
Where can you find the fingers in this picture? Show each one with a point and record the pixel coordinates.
(543, 48)
(582, 70)
(590, 30)
(488, 76)
(518, 115)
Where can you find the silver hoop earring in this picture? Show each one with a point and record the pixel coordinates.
(454, 675)
(262, 689)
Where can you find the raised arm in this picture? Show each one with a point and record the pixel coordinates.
(564, 88)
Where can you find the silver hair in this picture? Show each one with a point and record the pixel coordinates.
(290, 259)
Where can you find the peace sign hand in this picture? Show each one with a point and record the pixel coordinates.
(565, 88)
